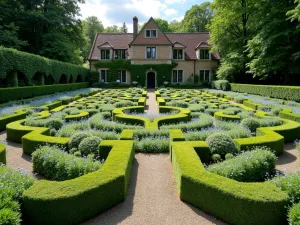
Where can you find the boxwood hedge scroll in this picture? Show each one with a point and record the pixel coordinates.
(73, 201)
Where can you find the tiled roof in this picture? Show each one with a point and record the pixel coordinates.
(121, 41)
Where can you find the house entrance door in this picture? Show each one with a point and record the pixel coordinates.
(150, 80)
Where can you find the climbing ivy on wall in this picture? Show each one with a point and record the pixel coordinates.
(114, 66)
(138, 72)
(12, 60)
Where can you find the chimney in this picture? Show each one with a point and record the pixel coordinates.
(135, 27)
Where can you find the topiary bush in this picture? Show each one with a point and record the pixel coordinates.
(54, 164)
(252, 166)
(216, 158)
(251, 123)
(223, 85)
(221, 144)
(77, 138)
(90, 145)
(55, 123)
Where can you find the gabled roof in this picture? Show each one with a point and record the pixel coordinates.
(177, 44)
(203, 44)
(151, 24)
(105, 45)
(117, 40)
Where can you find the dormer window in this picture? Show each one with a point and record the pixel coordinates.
(204, 54)
(177, 53)
(150, 33)
(105, 54)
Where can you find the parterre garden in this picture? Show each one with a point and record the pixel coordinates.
(223, 147)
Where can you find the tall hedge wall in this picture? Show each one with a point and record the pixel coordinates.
(30, 64)
(283, 92)
(16, 93)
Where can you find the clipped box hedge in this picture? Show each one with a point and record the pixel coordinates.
(19, 115)
(76, 200)
(232, 201)
(282, 92)
(224, 117)
(2, 153)
(16, 93)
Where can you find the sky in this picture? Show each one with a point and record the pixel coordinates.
(115, 12)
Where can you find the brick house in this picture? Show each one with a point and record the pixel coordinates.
(151, 57)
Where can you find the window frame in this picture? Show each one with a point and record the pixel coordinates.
(105, 54)
(204, 49)
(150, 33)
(121, 50)
(106, 74)
(177, 49)
(177, 76)
(209, 75)
(120, 76)
(151, 53)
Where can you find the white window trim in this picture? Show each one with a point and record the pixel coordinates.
(209, 54)
(183, 53)
(177, 76)
(155, 52)
(209, 76)
(100, 81)
(110, 53)
(126, 77)
(150, 33)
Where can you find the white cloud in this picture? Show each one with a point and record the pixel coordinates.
(170, 2)
(170, 12)
(178, 18)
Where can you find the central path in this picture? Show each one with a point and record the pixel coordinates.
(152, 198)
(151, 104)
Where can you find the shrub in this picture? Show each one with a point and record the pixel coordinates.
(122, 104)
(221, 144)
(178, 103)
(216, 158)
(77, 138)
(290, 184)
(211, 111)
(251, 123)
(223, 85)
(196, 108)
(69, 130)
(153, 145)
(250, 166)
(294, 215)
(229, 156)
(55, 164)
(54, 124)
(89, 145)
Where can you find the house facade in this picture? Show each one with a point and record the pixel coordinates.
(151, 57)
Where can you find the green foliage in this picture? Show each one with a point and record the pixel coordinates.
(83, 197)
(223, 85)
(282, 92)
(216, 158)
(54, 123)
(152, 145)
(251, 123)
(294, 215)
(29, 65)
(77, 138)
(54, 164)
(89, 145)
(290, 184)
(222, 195)
(2, 153)
(252, 166)
(221, 144)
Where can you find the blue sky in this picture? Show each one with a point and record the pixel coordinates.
(115, 12)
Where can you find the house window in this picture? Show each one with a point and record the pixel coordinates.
(177, 53)
(151, 34)
(105, 53)
(151, 53)
(120, 54)
(122, 76)
(104, 76)
(204, 75)
(177, 76)
(204, 54)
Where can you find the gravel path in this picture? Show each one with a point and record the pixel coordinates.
(152, 198)
(288, 162)
(151, 104)
(15, 158)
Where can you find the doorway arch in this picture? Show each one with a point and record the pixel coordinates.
(151, 79)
